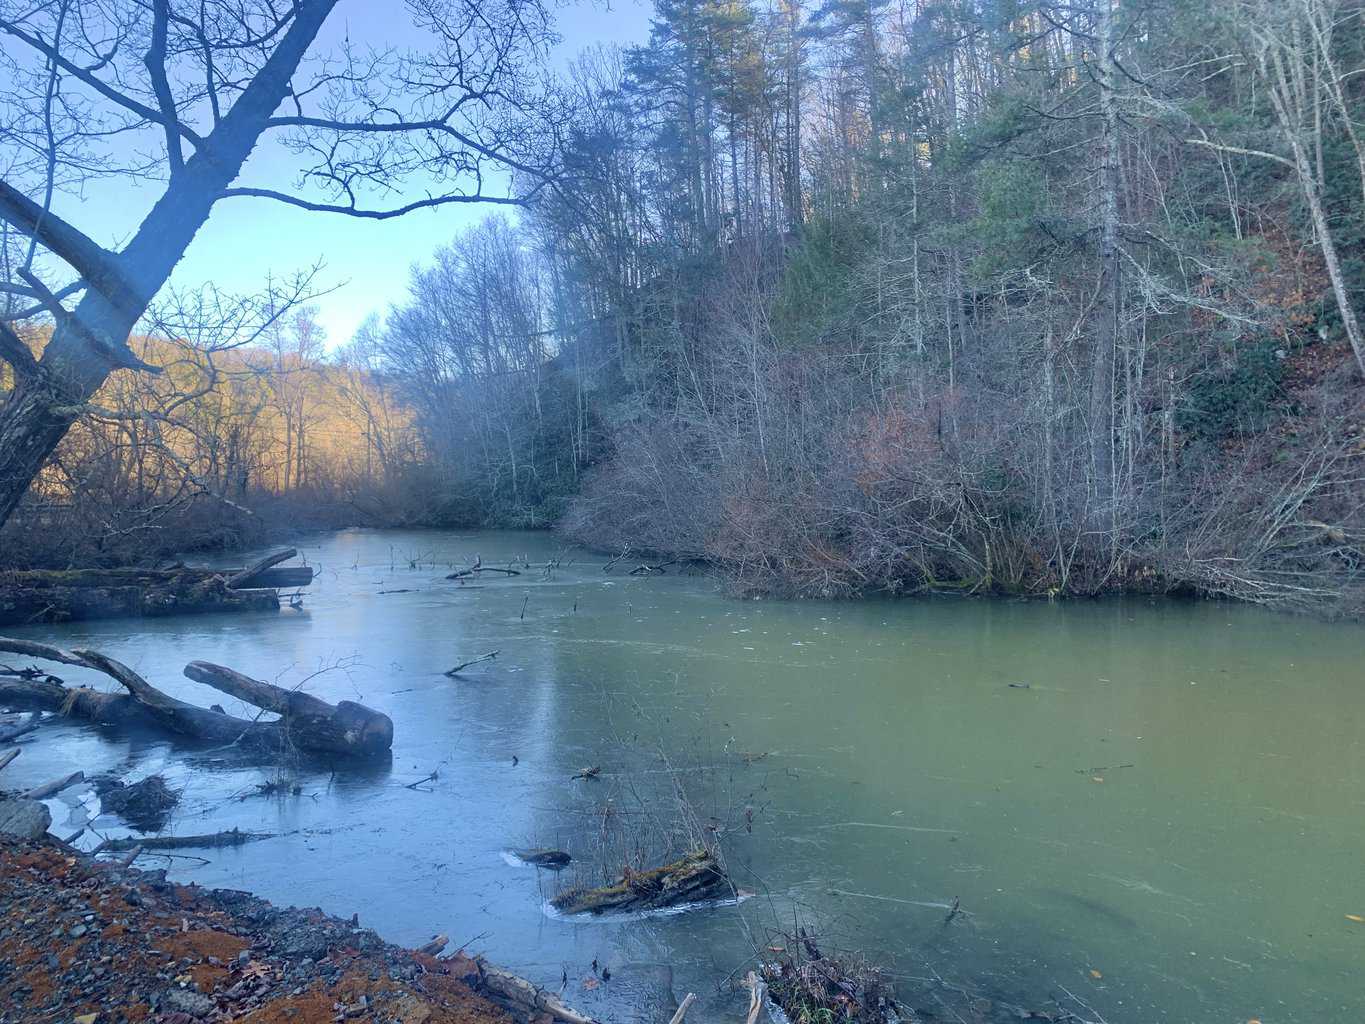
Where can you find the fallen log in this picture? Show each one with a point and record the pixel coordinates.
(312, 723)
(244, 578)
(693, 879)
(51, 596)
(279, 578)
(543, 857)
(54, 787)
(211, 841)
(9, 755)
(306, 722)
(530, 1001)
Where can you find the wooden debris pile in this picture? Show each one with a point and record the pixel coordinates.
(812, 988)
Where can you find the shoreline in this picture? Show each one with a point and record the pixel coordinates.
(96, 942)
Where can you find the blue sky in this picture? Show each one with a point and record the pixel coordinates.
(367, 262)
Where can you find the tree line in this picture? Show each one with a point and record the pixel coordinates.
(229, 443)
(992, 295)
(898, 295)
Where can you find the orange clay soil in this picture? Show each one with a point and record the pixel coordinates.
(79, 937)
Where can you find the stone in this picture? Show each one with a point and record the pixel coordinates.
(28, 819)
(183, 1000)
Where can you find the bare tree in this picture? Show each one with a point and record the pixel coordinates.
(1289, 44)
(207, 81)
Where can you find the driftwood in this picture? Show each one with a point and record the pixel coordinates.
(467, 664)
(54, 787)
(9, 755)
(435, 774)
(545, 858)
(531, 1001)
(758, 995)
(645, 569)
(213, 840)
(437, 943)
(306, 722)
(246, 577)
(78, 594)
(693, 879)
(464, 573)
(681, 1012)
(625, 552)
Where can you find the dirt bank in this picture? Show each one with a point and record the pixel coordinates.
(95, 943)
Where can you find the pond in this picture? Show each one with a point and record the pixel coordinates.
(1157, 807)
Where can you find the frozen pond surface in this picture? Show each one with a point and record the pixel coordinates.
(1172, 797)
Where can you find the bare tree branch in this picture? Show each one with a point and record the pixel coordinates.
(156, 68)
(353, 211)
(89, 259)
(99, 85)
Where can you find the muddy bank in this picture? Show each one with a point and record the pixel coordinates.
(97, 943)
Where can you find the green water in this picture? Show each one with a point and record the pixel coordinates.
(1173, 797)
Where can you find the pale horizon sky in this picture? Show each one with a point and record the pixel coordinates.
(366, 262)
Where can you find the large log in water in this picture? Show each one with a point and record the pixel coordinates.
(305, 723)
(693, 879)
(77, 594)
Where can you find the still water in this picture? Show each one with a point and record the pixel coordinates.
(1163, 816)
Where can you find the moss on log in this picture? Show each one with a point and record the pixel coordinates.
(693, 879)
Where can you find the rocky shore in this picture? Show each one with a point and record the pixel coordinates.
(93, 942)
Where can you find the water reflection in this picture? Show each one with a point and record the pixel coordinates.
(1166, 795)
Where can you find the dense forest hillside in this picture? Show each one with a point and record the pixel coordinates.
(860, 296)
(1043, 298)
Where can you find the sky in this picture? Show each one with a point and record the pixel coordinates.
(366, 263)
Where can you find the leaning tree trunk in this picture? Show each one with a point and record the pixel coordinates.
(90, 342)
(35, 418)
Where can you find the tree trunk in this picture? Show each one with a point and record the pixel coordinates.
(30, 428)
(90, 342)
(1281, 91)
(1107, 307)
(305, 723)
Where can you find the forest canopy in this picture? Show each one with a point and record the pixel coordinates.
(853, 296)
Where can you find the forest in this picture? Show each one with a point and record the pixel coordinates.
(861, 296)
